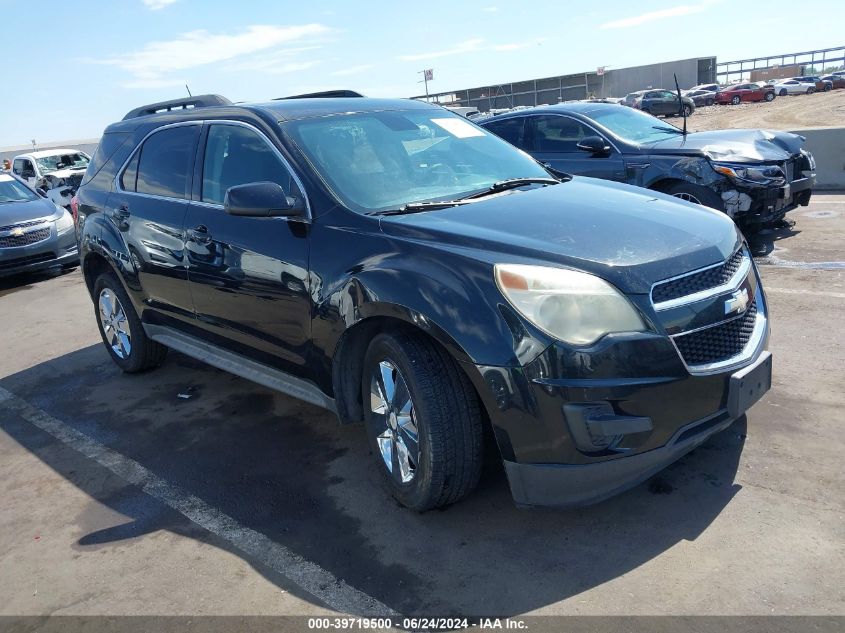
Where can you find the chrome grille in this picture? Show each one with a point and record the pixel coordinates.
(21, 225)
(696, 282)
(719, 342)
(32, 237)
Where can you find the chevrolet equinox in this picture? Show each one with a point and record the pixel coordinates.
(402, 267)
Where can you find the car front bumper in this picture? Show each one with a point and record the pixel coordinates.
(54, 251)
(643, 391)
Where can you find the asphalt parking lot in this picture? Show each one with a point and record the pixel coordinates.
(190, 491)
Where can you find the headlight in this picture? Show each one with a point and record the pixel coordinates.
(810, 159)
(64, 223)
(758, 174)
(571, 306)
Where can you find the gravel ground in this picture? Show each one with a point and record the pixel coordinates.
(819, 110)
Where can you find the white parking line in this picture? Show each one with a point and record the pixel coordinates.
(311, 577)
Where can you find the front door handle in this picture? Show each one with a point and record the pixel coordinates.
(200, 234)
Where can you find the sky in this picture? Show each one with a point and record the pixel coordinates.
(71, 68)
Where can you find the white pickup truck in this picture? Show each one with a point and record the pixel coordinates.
(57, 171)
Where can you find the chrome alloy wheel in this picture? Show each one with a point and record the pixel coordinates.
(395, 421)
(114, 323)
(688, 197)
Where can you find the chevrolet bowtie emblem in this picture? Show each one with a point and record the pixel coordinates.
(17, 232)
(738, 302)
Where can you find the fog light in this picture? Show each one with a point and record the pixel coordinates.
(596, 427)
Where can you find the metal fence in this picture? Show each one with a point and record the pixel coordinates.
(809, 62)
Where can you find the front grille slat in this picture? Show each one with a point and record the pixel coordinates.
(6, 264)
(32, 237)
(719, 342)
(21, 225)
(696, 282)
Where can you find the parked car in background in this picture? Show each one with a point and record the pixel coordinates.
(707, 87)
(701, 97)
(663, 102)
(792, 87)
(57, 171)
(398, 265)
(836, 81)
(817, 82)
(628, 99)
(754, 176)
(745, 93)
(35, 234)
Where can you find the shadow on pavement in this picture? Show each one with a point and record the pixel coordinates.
(15, 283)
(287, 470)
(762, 243)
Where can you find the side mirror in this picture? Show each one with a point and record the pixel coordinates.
(41, 191)
(262, 200)
(593, 144)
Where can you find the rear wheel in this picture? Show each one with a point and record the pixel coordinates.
(810, 91)
(687, 111)
(783, 92)
(735, 100)
(423, 421)
(121, 329)
(827, 87)
(697, 194)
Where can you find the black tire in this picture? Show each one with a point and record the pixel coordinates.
(698, 194)
(144, 353)
(810, 91)
(827, 87)
(770, 96)
(736, 100)
(443, 407)
(783, 92)
(709, 102)
(687, 111)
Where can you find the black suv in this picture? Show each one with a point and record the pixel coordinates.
(399, 265)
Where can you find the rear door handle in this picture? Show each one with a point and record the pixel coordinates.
(200, 234)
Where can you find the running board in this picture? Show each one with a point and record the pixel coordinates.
(240, 365)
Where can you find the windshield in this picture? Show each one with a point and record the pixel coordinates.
(76, 160)
(376, 161)
(13, 191)
(633, 125)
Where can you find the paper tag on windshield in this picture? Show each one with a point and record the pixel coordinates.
(458, 128)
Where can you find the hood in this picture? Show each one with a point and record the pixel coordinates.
(751, 146)
(14, 212)
(629, 236)
(66, 173)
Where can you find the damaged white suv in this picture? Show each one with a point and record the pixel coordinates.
(57, 171)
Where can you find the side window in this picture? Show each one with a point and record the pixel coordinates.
(129, 177)
(511, 130)
(165, 162)
(17, 167)
(558, 134)
(236, 155)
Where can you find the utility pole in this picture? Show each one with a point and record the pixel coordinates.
(428, 75)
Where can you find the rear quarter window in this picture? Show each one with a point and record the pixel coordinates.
(109, 144)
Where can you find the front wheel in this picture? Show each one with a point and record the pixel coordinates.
(687, 111)
(121, 329)
(735, 100)
(423, 421)
(697, 194)
(783, 92)
(810, 91)
(769, 96)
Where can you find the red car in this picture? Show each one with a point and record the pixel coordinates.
(742, 93)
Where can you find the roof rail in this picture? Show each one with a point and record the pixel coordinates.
(199, 101)
(326, 94)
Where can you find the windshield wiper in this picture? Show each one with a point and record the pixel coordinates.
(416, 207)
(663, 128)
(512, 183)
